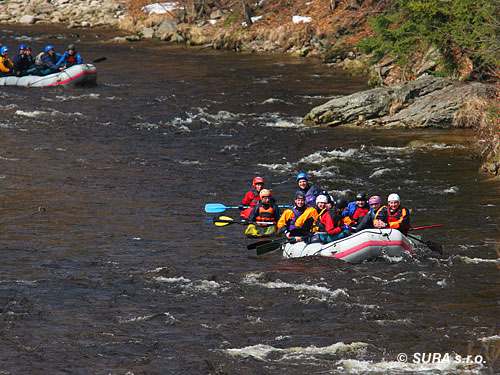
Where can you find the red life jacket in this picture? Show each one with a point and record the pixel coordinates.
(70, 60)
(396, 216)
(359, 212)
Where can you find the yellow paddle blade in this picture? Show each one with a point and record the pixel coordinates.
(222, 221)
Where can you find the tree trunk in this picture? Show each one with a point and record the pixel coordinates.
(247, 12)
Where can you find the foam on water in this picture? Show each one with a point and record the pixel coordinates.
(320, 157)
(261, 351)
(275, 100)
(490, 339)
(353, 366)
(198, 286)
(285, 124)
(280, 168)
(468, 260)
(64, 98)
(229, 148)
(189, 162)
(380, 172)
(32, 114)
(170, 318)
(253, 279)
(451, 190)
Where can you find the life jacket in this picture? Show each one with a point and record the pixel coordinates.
(396, 215)
(354, 213)
(265, 214)
(296, 214)
(70, 60)
(318, 226)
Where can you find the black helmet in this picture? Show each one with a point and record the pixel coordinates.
(300, 194)
(361, 197)
(341, 203)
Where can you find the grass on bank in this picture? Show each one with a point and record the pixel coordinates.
(459, 29)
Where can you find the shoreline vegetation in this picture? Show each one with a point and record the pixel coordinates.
(429, 57)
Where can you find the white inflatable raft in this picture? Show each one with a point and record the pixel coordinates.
(77, 75)
(367, 244)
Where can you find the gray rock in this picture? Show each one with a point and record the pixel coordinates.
(27, 19)
(147, 32)
(166, 29)
(216, 14)
(425, 102)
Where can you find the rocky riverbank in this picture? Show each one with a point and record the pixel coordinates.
(73, 13)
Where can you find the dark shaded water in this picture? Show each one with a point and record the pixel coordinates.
(124, 275)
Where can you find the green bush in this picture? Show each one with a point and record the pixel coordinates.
(455, 27)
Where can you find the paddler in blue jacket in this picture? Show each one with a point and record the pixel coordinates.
(69, 58)
(311, 192)
(286, 223)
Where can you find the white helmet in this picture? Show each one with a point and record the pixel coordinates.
(393, 198)
(321, 199)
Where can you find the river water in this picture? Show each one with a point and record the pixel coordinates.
(124, 274)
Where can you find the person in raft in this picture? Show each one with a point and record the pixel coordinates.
(264, 216)
(251, 197)
(375, 202)
(69, 58)
(310, 191)
(355, 211)
(393, 215)
(318, 221)
(286, 223)
(6, 64)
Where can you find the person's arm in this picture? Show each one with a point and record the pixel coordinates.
(253, 214)
(330, 228)
(3, 68)
(284, 219)
(247, 198)
(79, 59)
(301, 220)
(62, 60)
(380, 218)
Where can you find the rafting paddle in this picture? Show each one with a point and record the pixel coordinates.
(222, 221)
(99, 59)
(271, 246)
(217, 208)
(427, 226)
(254, 245)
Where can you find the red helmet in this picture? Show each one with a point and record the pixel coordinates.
(257, 180)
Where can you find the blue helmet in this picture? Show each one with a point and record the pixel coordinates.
(3, 50)
(302, 176)
(48, 48)
(23, 46)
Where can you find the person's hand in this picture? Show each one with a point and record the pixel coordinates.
(379, 224)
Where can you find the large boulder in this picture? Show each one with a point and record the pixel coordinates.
(166, 29)
(27, 19)
(425, 102)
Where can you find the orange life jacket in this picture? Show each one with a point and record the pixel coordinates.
(265, 214)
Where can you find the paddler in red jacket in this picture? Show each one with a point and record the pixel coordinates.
(252, 197)
(393, 215)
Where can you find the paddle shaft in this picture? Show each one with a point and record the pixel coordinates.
(427, 226)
